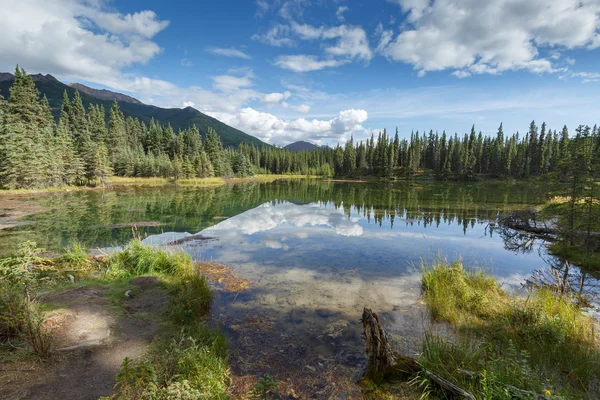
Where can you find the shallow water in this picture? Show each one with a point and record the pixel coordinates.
(315, 252)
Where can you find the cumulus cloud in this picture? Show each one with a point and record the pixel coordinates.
(269, 128)
(77, 39)
(306, 63)
(228, 52)
(489, 36)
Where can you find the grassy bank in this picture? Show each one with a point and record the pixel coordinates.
(135, 181)
(508, 346)
(187, 358)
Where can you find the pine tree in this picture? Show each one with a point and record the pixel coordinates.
(214, 150)
(72, 170)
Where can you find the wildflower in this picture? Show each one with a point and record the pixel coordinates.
(548, 393)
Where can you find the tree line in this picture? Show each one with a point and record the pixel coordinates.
(84, 147)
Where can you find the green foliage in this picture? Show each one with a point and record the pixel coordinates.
(140, 259)
(194, 364)
(74, 257)
(265, 387)
(544, 342)
(20, 316)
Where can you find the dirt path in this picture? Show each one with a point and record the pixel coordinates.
(96, 339)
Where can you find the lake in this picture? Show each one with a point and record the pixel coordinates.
(315, 252)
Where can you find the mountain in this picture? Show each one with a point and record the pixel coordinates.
(301, 146)
(104, 94)
(179, 118)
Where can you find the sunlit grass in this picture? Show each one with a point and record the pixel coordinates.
(539, 343)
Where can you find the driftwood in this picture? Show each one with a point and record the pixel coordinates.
(384, 364)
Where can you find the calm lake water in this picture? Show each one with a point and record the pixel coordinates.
(316, 253)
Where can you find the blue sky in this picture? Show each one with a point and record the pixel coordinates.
(323, 70)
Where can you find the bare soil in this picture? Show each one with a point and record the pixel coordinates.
(93, 338)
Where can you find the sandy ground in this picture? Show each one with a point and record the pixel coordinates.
(99, 340)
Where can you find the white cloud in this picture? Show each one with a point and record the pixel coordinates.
(186, 62)
(276, 36)
(270, 128)
(306, 63)
(229, 83)
(461, 74)
(76, 39)
(351, 41)
(262, 7)
(228, 52)
(144, 23)
(274, 98)
(340, 13)
(303, 108)
(586, 77)
(490, 36)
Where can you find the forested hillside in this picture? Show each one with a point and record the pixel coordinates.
(84, 146)
(178, 118)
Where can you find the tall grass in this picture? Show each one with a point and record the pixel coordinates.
(543, 343)
(140, 259)
(74, 257)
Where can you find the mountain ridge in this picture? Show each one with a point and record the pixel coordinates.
(178, 118)
(104, 94)
(301, 145)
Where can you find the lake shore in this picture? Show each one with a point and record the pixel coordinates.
(124, 312)
(117, 181)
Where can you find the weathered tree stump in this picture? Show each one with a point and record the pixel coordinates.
(384, 364)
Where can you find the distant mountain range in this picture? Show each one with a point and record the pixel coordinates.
(179, 118)
(301, 146)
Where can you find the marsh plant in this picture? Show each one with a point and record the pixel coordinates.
(509, 345)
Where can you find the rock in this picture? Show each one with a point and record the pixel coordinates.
(71, 278)
(326, 312)
(128, 293)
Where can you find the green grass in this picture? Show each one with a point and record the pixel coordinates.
(74, 257)
(542, 343)
(188, 359)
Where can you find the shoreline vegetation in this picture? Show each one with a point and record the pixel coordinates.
(186, 358)
(116, 181)
(503, 345)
